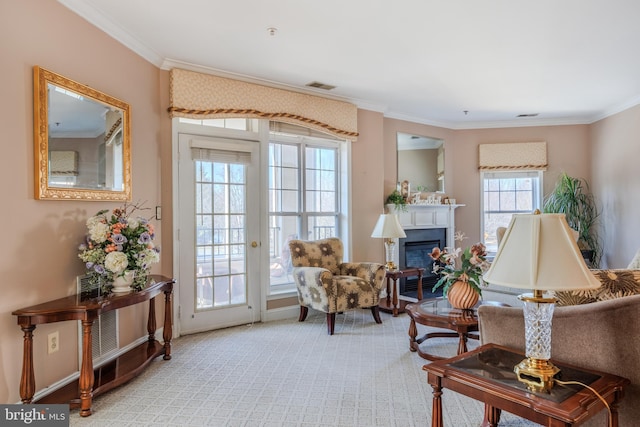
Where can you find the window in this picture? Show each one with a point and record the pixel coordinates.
(505, 194)
(303, 197)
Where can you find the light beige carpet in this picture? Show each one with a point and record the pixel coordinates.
(287, 373)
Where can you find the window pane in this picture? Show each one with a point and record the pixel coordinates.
(297, 195)
(321, 227)
(517, 192)
(282, 229)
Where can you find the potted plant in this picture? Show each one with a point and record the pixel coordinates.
(572, 197)
(460, 272)
(396, 199)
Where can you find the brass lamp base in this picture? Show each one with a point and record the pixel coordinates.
(537, 374)
(391, 266)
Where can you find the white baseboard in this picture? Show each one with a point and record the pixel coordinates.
(74, 376)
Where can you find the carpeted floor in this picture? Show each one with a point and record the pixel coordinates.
(287, 373)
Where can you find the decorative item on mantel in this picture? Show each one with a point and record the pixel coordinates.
(460, 273)
(118, 250)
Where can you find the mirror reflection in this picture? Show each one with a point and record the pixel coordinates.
(82, 141)
(421, 162)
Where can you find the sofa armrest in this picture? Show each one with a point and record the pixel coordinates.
(501, 325)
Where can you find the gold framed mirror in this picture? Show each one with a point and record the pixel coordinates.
(421, 162)
(82, 141)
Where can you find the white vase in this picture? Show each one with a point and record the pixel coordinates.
(122, 283)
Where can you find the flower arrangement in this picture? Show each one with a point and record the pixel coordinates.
(454, 265)
(118, 243)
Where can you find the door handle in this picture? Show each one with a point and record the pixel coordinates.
(254, 244)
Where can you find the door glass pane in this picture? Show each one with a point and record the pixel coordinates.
(220, 235)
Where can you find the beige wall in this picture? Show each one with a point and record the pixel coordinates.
(567, 150)
(615, 182)
(38, 260)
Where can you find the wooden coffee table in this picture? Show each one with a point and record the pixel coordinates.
(486, 374)
(438, 313)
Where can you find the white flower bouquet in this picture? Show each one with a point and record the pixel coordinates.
(119, 243)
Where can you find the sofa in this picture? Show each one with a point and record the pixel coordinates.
(598, 329)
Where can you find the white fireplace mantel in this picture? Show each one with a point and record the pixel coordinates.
(418, 217)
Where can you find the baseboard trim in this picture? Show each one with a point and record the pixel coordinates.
(74, 376)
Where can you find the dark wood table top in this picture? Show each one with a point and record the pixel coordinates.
(486, 374)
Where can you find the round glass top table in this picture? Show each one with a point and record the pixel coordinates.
(438, 313)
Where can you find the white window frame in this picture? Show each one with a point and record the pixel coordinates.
(536, 202)
(341, 190)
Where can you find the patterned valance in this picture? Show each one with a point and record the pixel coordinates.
(513, 156)
(201, 96)
(63, 163)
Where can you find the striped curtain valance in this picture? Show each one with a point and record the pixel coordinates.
(513, 156)
(203, 96)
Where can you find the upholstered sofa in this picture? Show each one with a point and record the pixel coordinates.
(597, 329)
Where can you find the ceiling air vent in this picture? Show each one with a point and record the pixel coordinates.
(527, 115)
(319, 85)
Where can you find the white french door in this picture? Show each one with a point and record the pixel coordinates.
(219, 250)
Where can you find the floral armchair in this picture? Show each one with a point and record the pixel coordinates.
(327, 284)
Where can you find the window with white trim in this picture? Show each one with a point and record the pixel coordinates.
(304, 195)
(504, 194)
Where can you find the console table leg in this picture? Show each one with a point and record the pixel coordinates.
(28, 380)
(86, 370)
(151, 320)
(167, 333)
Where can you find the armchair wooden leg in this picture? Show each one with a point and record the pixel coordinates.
(331, 322)
(375, 310)
(303, 313)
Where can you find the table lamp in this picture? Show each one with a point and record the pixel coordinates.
(539, 252)
(388, 227)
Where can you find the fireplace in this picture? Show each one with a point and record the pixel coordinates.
(414, 251)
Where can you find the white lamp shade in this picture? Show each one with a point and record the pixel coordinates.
(388, 227)
(539, 252)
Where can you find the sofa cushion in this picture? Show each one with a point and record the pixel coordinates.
(615, 284)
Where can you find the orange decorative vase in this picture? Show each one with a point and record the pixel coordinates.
(461, 295)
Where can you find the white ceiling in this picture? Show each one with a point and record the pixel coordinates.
(428, 61)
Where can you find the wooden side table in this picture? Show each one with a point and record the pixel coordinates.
(486, 374)
(390, 303)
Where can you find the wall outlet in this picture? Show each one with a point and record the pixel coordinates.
(53, 342)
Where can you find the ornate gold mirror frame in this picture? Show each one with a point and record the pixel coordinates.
(82, 141)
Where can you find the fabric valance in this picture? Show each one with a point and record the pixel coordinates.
(201, 96)
(513, 156)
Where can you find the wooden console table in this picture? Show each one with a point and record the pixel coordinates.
(78, 307)
(390, 303)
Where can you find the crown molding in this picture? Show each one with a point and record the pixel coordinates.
(97, 19)
(618, 108)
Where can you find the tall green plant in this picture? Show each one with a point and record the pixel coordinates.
(572, 197)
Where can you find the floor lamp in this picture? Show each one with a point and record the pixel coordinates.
(388, 228)
(539, 252)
